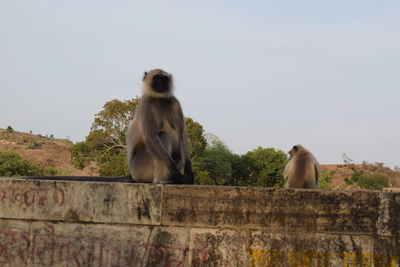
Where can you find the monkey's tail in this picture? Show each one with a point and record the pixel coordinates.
(107, 179)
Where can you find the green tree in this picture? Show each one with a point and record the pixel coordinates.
(214, 166)
(197, 141)
(219, 166)
(269, 164)
(113, 120)
(106, 141)
(216, 162)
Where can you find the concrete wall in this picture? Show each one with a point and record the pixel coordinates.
(46, 223)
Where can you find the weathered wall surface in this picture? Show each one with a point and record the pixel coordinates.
(46, 223)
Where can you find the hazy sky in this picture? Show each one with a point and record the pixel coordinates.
(325, 74)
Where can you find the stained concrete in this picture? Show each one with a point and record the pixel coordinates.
(54, 223)
(80, 201)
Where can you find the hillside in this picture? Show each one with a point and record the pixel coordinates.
(340, 171)
(43, 151)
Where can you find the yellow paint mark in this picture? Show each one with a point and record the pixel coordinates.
(292, 258)
(367, 260)
(266, 258)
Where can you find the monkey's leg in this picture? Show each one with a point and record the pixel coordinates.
(161, 171)
(181, 161)
(142, 167)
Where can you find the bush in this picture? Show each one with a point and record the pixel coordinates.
(51, 171)
(11, 165)
(324, 182)
(115, 165)
(371, 181)
(10, 129)
(269, 164)
(34, 145)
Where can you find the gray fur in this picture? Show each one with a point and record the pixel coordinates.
(156, 140)
(303, 169)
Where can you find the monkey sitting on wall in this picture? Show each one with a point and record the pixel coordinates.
(156, 140)
(303, 169)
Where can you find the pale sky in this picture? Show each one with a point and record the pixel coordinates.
(325, 74)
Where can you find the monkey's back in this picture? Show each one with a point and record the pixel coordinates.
(302, 172)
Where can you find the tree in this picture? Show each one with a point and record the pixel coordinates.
(269, 164)
(106, 141)
(243, 169)
(113, 120)
(197, 141)
(214, 166)
(219, 166)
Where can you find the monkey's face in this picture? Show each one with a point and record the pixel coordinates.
(161, 83)
(157, 83)
(293, 151)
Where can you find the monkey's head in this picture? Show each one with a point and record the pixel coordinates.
(295, 149)
(157, 83)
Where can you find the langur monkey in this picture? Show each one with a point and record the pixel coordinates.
(303, 169)
(156, 140)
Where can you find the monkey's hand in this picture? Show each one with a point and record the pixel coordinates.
(189, 175)
(187, 178)
(176, 176)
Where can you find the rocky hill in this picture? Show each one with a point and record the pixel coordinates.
(43, 151)
(341, 171)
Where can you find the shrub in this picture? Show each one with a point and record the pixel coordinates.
(268, 166)
(324, 182)
(10, 129)
(51, 171)
(11, 164)
(371, 181)
(34, 145)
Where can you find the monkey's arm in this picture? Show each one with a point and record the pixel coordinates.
(188, 172)
(151, 127)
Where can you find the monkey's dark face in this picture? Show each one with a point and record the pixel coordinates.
(293, 151)
(161, 83)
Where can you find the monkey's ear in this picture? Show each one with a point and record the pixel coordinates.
(295, 148)
(144, 76)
